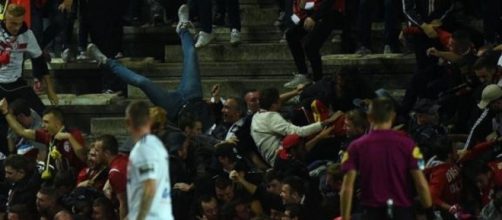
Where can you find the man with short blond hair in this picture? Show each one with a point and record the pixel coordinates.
(17, 43)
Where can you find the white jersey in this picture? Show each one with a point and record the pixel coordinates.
(149, 160)
(24, 43)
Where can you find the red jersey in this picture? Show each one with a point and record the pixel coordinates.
(117, 176)
(99, 177)
(445, 183)
(64, 147)
(496, 181)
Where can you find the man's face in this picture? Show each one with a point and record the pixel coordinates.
(13, 24)
(496, 105)
(183, 151)
(12, 175)
(485, 75)
(98, 213)
(92, 158)
(194, 131)
(12, 216)
(351, 129)
(210, 209)
(225, 195)
(25, 121)
(274, 187)
(423, 118)
(229, 110)
(288, 216)
(99, 153)
(243, 211)
(253, 101)
(288, 196)
(51, 124)
(43, 202)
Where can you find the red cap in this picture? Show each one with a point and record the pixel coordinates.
(290, 141)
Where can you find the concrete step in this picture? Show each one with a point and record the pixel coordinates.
(388, 71)
(108, 125)
(377, 64)
(243, 52)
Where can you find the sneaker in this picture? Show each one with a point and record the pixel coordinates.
(297, 80)
(203, 39)
(235, 37)
(82, 56)
(183, 15)
(119, 55)
(363, 51)
(94, 53)
(184, 20)
(66, 55)
(387, 49)
(280, 19)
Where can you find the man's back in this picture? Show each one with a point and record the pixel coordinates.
(149, 161)
(383, 158)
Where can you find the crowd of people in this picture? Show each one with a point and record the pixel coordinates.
(326, 149)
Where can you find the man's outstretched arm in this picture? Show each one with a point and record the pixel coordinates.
(14, 124)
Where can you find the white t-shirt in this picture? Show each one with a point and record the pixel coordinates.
(149, 160)
(24, 43)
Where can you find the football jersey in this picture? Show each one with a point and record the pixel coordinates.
(149, 160)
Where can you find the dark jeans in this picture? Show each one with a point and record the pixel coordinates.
(233, 9)
(381, 213)
(189, 90)
(205, 12)
(492, 23)
(366, 7)
(84, 25)
(56, 18)
(11, 92)
(106, 31)
(302, 42)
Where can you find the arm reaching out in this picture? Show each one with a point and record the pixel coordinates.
(14, 124)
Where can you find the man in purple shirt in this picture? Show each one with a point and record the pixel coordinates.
(388, 164)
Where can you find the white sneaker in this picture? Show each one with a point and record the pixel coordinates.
(235, 37)
(94, 53)
(297, 80)
(203, 39)
(387, 49)
(183, 15)
(184, 22)
(82, 56)
(66, 55)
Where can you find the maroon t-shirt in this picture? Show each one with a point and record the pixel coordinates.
(64, 147)
(118, 173)
(383, 159)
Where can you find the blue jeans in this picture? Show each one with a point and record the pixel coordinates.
(189, 90)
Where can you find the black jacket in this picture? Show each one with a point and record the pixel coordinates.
(420, 11)
(24, 192)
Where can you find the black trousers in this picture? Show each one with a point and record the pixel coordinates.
(205, 11)
(302, 42)
(232, 8)
(366, 7)
(492, 23)
(106, 31)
